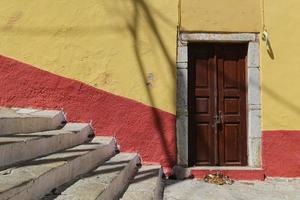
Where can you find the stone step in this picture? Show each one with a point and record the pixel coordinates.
(146, 185)
(33, 179)
(21, 147)
(107, 182)
(14, 120)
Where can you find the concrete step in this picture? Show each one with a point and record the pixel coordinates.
(14, 120)
(20, 147)
(146, 185)
(107, 182)
(33, 179)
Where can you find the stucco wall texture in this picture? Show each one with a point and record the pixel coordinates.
(123, 52)
(220, 16)
(280, 89)
(137, 127)
(280, 67)
(122, 55)
(126, 47)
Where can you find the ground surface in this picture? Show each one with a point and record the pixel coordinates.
(199, 190)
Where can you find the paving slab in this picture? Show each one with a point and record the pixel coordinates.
(271, 189)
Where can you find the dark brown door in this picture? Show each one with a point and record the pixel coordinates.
(217, 104)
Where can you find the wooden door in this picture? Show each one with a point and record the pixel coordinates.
(217, 104)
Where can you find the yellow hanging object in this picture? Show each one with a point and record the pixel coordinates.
(265, 37)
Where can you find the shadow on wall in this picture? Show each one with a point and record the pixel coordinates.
(138, 127)
(142, 8)
(269, 48)
(275, 94)
(143, 13)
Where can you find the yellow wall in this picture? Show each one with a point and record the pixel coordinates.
(111, 45)
(220, 15)
(280, 75)
(118, 45)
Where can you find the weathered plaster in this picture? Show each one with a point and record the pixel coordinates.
(137, 127)
(280, 66)
(110, 45)
(220, 15)
(281, 153)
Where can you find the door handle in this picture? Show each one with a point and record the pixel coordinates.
(218, 119)
(216, 122)
(220, 116)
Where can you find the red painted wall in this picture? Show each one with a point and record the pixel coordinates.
(281, 153)
(280, 158)
(140, 128)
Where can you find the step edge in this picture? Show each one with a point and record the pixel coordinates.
(52, 123)
(156, 192)
(82, 135)
(127, 174)
(65, 164)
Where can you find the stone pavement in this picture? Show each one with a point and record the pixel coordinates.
(271, 189)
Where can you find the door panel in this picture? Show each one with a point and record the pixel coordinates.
(232, 104)
(202, 103)
(231, 138)
(217, 93)
(203, 143)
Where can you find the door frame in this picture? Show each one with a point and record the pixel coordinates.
(253, 91)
